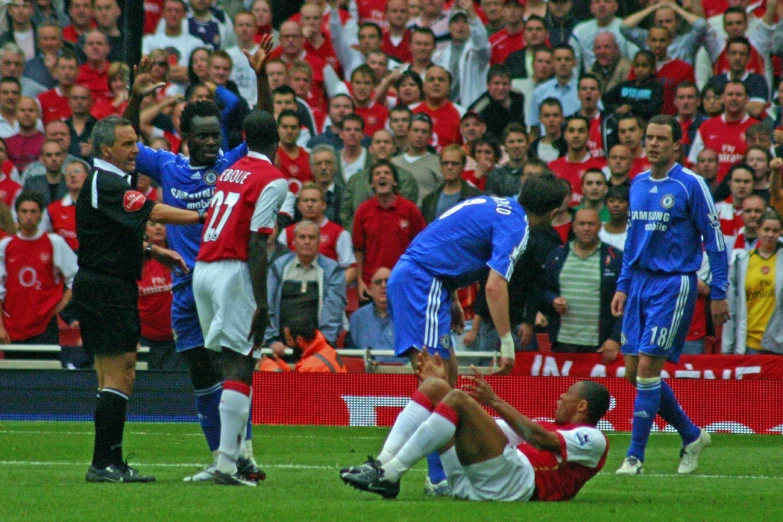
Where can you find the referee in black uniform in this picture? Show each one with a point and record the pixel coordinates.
(110, 220)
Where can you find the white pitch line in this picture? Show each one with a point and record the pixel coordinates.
(168, 434)
(34, 463)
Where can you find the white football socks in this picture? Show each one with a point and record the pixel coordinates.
(409, 419)
(234, 412)
(431, 436)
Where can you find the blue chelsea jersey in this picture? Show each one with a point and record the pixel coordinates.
(672, 222)
(187, 187)
(471, 237)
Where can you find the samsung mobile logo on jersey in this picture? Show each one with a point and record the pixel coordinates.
(656, 219)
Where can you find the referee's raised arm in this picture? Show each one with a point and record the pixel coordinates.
(110, 223)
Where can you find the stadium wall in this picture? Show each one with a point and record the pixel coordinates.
(722, 405)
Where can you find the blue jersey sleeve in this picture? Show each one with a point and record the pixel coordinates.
(235, 154)
(705, 216)
(509, 240)
(149, 161)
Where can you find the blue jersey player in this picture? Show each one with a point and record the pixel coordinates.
(189, 182)
(672, 221)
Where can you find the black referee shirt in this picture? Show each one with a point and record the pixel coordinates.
(110, 223)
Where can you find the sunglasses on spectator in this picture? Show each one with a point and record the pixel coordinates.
(161, 64)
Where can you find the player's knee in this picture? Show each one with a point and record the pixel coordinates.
(631, 377)
(456, 398)
(434, 388)
(203, 371)
(238, 367)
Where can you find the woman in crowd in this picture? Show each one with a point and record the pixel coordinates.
(198, 66)
(755, 284)
(711, 105)
(642, 96)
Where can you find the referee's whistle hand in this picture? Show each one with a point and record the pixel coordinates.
(618, 304)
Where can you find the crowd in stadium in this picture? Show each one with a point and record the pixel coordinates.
(390, 113)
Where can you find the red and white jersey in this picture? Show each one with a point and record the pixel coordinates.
(755, 65)
(33, 274)
(247, 198)
(725, 138)
(9, 189)
(639, 165)
(336, 242)
(54, 105)
(573, 172)
(62, 214)
(504, 44)
(372, 11)
(296, 170)
(595, 140)
(560, 476)
(374, 116)
(401, 51)
(155, 301)
(730, 218)
(445, 123)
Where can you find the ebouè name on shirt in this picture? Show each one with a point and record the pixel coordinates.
(234, 176)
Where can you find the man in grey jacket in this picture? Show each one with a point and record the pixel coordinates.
(305, 283)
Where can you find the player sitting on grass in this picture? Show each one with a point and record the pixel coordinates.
(514, 458)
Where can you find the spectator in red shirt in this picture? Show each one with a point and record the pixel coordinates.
(62, 213)
(155, 307)
(54, 102)
(24, 147)
(670, 71)
(374, 114)
(577, 160)
(9, 187)
(396, 38)
(445, 115)
(512, 37)
(630, 131)
(292, 160)
(81, 20)
(384, 226)
(686, 100)
(36, 273)
(94, 74)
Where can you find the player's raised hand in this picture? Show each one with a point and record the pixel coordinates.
(429, 365)
(618, 303)
(478, 388)
(143, 85)
(259, 58)
(506, 365)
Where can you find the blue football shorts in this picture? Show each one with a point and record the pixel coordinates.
(184, 318)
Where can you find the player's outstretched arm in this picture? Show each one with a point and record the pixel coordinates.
(257, 264)
(168, 215)
(497, 300)
(258, 63)
(531, 431)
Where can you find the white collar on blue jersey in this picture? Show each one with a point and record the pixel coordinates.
(108, 167)
(258, 155)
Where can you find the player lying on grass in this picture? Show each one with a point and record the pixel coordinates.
(514, 458)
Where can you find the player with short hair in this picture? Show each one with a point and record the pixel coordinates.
(229, 281)
(672, 216)
(511, 459)
(189, 182)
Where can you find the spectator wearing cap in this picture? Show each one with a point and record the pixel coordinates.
(499, 105)
(472, 127)
(467, 56)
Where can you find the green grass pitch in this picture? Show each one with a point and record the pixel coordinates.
(42, 466)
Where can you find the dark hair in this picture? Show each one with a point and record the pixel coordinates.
(261, 131)
(352, 117)
(365, 70)
(740, 166)
(770, 213)
(488, 139)
(735, 82)
(288, 113)
(301, 325)
(736, 10)
(536, 162)
(30, 195)
(498, 69)
(201, 109)
(687, 84)
(413, 75)
(590, 76)
(672, 123)
(542, 194)
(400, 107)
(649, 55)
(594, 171)
(11, 79)
(620, 192)
(635, 117)
(739, 40)
(766, 152)
(284, 90)
(564, 47)
(598, 400)
(536, 18)
(422, 30)
(756, 130)
(342, 95)
(192, 78)
(577, 117)
(551, 101)
(192, 88)
(392, 167)
(374, 26)
(513, 128)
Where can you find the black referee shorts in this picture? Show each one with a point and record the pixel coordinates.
(108, 311)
